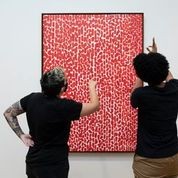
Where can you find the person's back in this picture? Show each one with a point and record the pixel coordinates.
(157, 104)
(157, 115)
(49, 118)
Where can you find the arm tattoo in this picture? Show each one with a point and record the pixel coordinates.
(11, 116)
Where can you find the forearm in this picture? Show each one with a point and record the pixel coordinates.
(93, 104)
(169, 76)
(11, 116)
(14, 124)
(94, 97)
(138, 83)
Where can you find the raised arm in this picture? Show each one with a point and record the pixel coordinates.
(152, 48)
(169, 77)
(11, 116)
(138, 83)
(93, 105)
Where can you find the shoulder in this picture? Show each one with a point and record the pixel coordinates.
(71, 104)
(135, 97)
(69, 101)
(70, 108)
(31, 95)
(140, 90)
(26, 99)
(139, 94)
(173, 82)
(172, 85)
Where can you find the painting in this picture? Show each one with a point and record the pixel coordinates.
(99, 46)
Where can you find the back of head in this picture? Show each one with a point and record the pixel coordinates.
(151, 68)
(53, 81)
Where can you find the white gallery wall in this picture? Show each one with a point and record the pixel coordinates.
(20, 71)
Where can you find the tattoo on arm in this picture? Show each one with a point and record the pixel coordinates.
(11, 116)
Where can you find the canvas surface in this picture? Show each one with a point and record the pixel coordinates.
(101, 47)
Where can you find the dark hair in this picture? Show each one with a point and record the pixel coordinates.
(152, 68)
(53, 81)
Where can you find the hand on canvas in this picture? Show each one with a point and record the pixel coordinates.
(153, 48)
(27, 140)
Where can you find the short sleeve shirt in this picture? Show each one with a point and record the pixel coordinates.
(49, 120)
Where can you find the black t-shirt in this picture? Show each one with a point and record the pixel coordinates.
(157, 115)
(49, 120)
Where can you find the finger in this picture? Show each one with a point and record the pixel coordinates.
(154, 41)
(26, 144)
(148, 49)
(30, 143)
(29, 136)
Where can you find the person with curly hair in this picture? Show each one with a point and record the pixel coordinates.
(156, 154)
(49, 117)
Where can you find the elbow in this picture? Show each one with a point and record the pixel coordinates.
(5, 114)
(98, 107)
(89, 108)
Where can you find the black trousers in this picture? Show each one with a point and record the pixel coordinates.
(52, 171)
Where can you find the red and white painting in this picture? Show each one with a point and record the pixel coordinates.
(101, 47)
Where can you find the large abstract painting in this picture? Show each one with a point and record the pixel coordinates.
(99, 46)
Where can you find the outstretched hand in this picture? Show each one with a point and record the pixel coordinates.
(153, 48)
(27, 140)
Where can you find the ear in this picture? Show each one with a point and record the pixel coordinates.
(65, 86)
(62, 89)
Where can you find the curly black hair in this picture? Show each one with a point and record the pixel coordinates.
(152, 68)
